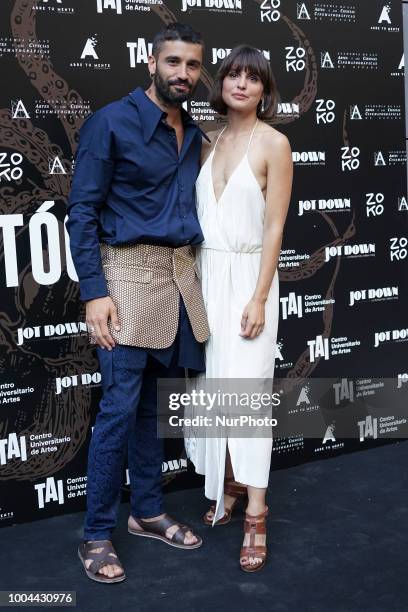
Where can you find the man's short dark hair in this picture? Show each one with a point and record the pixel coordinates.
(176, 31)
(245, 57)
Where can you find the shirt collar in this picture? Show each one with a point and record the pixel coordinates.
(152, 114)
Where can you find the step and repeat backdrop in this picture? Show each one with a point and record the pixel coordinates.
(339, 67)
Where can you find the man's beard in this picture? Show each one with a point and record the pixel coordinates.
(168, 95)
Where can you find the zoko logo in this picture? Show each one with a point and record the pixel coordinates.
(292, 305)
(13, 447)
(50, 491)
(368, 428)
(18, 110)
(89, 48)
(102, 5)
(350, 158)
(270, 10)
(374, 204)
(398, 248)
(10, 169)
(325, 111)
(318, 348)
(344, 390)
(295, 59)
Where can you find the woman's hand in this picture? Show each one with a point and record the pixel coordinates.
(253, 319)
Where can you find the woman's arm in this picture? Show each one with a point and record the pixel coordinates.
(278, 191)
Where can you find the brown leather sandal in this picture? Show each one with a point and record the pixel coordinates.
(157, 530)
(107, 556)
(254, 525)
(234, 489)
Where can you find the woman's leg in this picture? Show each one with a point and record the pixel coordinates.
(229, 500)
(256, 505)
(256, 500)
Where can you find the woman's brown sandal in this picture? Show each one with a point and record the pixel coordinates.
(254, 525)
(106, 556)
(157, 530)
(234, 489)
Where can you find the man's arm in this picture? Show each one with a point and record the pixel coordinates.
(90, 186)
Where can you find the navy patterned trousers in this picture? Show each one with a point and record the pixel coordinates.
(126, 420)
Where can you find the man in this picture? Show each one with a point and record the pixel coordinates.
(133, 226)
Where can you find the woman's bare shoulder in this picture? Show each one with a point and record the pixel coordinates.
(273, 138)
(274, 146)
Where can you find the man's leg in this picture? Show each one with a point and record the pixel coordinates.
(145, 451)
(122, 376)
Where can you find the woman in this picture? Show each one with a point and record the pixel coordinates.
(243, 193)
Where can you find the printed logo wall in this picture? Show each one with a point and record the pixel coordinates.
(339, 68)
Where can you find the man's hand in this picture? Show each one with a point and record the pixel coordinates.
(98, 312)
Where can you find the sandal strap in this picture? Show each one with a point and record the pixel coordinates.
(235, 489)
(259, 518)
(255, 525)
(227, 512)
(107, 556)
(162, 525)
(253, 551)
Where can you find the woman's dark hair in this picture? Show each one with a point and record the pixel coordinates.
(253, 61)
(176, 31)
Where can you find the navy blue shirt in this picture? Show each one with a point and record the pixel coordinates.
(131, 185)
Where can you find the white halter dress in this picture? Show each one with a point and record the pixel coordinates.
(228, 263)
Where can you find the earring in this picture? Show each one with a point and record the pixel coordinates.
(263, 105)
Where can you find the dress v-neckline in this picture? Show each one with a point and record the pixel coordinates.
(229, 179)
(211, 158)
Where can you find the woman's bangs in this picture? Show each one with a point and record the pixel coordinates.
(246, 61)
